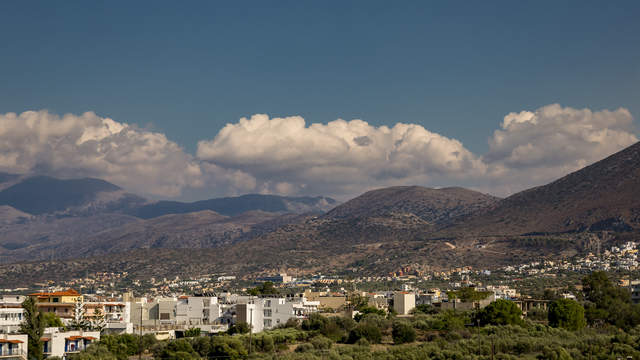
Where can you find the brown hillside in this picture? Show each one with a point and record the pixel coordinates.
(602, 196)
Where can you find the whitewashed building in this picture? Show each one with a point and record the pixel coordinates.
(404, 302)
(267, 313)
(13, 346)
(62, 344)
(197, 310)
(11, 313)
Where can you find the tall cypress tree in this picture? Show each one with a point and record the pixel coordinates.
(33, 326)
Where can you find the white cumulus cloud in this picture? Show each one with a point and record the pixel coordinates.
(534, 147)
(89, 145)
(287, 156)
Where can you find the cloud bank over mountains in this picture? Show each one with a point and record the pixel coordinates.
(288, 156)
(89, 145)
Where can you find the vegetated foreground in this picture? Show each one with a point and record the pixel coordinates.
(602, 324)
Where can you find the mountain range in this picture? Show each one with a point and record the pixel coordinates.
(90, 224)
(42, 217)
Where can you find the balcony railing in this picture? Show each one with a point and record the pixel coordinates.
(77, 349)
(13, 352)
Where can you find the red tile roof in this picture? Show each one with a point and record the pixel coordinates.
(69, 292)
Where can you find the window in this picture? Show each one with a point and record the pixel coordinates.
(267, 312)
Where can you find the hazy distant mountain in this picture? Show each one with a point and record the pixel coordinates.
(68, 237)
(42, 216)
(9, 215)
(194, 230)
(44, 237)
(6, 177)
(43, 194)
(232, 206)
(40, 195)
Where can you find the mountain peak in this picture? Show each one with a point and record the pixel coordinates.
(42, 194)
(601, 196)
(432, 205)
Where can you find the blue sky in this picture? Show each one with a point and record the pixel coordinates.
(187, 69)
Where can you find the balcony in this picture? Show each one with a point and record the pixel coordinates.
(12, 353)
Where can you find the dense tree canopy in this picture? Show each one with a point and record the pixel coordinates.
(468, 294)
(567, 314)
(608, 303)
(500, 312)
(266, 288)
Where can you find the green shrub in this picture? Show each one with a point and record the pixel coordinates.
(239, 328)
(227, 346)
(313, 322)
(365, 330)
(320, 342)
(365, 310)
(425, 309)
(403, 332)
(304, 348)
(94, 352)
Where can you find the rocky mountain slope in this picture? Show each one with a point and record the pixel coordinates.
(451, 227)
(602, 196)
(386, 229)
(436, 206)
(368, 226)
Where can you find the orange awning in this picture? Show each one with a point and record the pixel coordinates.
(11, 341)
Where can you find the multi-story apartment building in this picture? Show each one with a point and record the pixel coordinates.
(197, 310)
(11, 313)
(62, 303)
(266, 313)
